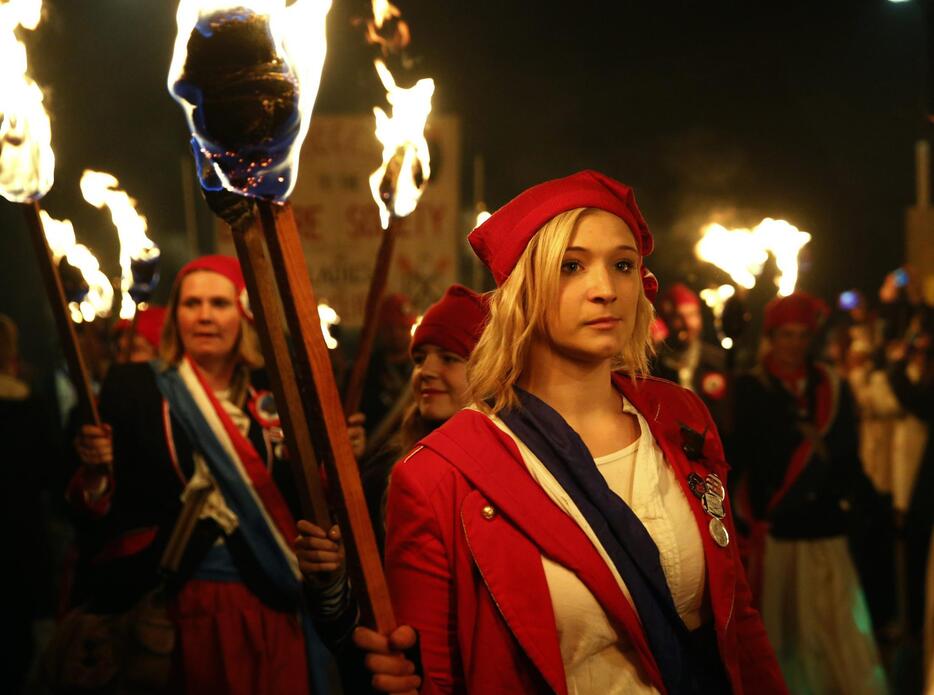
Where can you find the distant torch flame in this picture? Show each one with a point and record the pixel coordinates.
(416, 323)
(328, 318)
(716, 297)
(27, 163)
(387, 29)
(100, 190)
(482, 217)
(246, 73)
(742, 253)
(399, 182)
(95, 297)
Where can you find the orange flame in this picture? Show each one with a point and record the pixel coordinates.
(27, 162)
(398, 183)
(328, 317)
(60, 235)
(742, 252)
(387, 29)
(299, 41)
(100, 190)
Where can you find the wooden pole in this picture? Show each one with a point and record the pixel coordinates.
(325, 417)
(374, 298)
(267, 312)
(77, 369)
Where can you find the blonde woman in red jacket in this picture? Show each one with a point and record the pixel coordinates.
(569, 533)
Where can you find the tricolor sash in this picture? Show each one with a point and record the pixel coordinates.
(264, 519)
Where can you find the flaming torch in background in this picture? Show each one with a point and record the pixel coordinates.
(742, 254)
(328, 318)
(139, 255)
(397, 185)
(87, 289)
(246, 73)
(27, 171)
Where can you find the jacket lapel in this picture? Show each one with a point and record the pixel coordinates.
(498, 473)
(665, 417)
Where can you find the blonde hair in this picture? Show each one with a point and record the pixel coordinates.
(518, 311)
(171, 350)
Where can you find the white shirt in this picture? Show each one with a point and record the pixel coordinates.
(597, 659)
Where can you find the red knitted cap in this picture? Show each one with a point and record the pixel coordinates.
(680, 294)
(454, 322)
(227, 266)
(798, 307)
(148, 324)
(501, 240)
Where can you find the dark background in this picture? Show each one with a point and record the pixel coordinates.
(799, 109)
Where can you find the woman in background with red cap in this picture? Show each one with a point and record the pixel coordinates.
(439, 349)
(198, 430)
(569, 532)
(796, 462)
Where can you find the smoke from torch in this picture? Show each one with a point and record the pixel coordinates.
(27, 162)
(100, 189)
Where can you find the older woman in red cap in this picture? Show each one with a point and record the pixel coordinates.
(799, 478)
(569, 532)
(196, 436)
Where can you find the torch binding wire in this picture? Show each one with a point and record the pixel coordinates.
(275, 272)
(77, 368)
(374, 298)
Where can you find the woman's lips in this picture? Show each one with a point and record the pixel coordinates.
(432, 392)
(603, 324)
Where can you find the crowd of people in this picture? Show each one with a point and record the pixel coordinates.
(574, 490)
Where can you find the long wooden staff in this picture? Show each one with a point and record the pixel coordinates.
(77, 369)
(308, 378)
(374, 298)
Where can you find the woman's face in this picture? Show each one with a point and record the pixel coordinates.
(207, 316)
(790, 345)
(598, 290)
(439, 382)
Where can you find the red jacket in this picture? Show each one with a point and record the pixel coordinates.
(466, 529)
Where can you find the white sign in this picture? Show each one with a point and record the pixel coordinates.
(338, 220)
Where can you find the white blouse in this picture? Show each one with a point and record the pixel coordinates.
(597, 659)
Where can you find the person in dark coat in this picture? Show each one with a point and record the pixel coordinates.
(797, 479)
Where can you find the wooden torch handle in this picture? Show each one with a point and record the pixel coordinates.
(325, 415)
(77, 369)
(374, 298)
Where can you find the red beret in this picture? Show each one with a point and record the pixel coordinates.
(680, 294)
(454, 322)
(148, 324)
(227, 266)
(500, 241)
(798, 307)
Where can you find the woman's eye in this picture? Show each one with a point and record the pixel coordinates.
(570, 267)
(452, 359)
(418, 359)
(625, 266)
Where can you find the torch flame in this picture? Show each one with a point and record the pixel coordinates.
(398, 36)
(716, 297)
(328, 317)
(398, 183)
(60, 235)
(27, 162)
(100, 190)
(256, 152)
(742, 253)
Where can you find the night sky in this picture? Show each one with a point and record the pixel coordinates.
(800, 109)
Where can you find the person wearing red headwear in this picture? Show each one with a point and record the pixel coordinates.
(197, 430)
(799, 484)
(686, 359)
(569, 531)
(137, 339)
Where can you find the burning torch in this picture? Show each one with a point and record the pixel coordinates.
(27, 172)
(139, 255)
(246, 74)
(396, 186)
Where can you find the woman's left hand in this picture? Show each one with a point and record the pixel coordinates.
(320, 555)
(357, 434)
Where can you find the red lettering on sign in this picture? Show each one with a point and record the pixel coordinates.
(306, 217)
(363, 221)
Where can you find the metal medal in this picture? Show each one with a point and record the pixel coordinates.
(696, 485)
(713, 505)
(719, 533)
